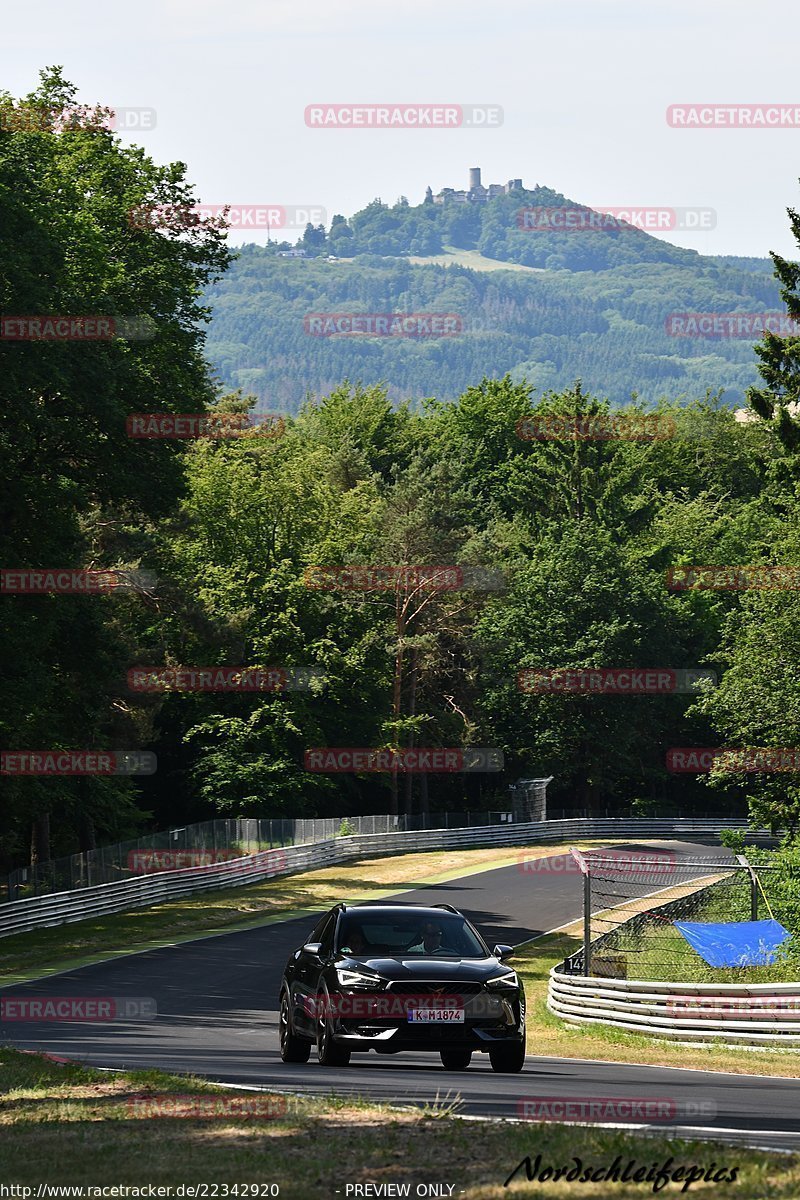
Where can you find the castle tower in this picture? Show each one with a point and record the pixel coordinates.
(474, 177)
(428, 195)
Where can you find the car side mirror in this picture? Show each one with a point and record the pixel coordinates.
(502, 951)
(312, 948)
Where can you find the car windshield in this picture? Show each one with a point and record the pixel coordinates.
(409, 934)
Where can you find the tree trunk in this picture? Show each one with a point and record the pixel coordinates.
(397, 698)
(40, 838)
(412, 708)
(424, 802)
(86, 833)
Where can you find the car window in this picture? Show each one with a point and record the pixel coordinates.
(327, 935)
(317, 931)
(401, 934)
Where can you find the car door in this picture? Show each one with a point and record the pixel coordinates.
(308, 968)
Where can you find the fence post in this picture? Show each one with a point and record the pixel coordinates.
(587, 909)
(587, 923)
(742, 860)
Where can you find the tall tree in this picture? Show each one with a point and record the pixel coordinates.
(780, 356)
(84, 494)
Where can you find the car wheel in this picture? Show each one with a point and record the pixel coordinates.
(328, 1052)
(456, 1060)
(507, 1058)
(294, 1049)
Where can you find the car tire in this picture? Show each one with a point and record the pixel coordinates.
(508, 1058)
(294, 1049)
(455, 1060)
(329, 1053)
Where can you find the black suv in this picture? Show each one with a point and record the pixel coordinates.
(391, 977)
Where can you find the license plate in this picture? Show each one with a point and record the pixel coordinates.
(437, 1016)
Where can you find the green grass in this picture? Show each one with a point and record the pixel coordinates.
(455, 256)
(71, 1126)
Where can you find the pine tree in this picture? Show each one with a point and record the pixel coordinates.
(780, 357)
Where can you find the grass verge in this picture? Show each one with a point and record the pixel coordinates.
(65, 1125)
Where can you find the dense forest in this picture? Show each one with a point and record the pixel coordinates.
(581, 531)
(605, 322)
(520, 227)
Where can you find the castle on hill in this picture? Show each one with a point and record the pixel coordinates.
(476, 193)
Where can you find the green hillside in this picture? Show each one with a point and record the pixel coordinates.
(594, 308)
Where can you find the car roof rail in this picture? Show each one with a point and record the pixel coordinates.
(448, 908)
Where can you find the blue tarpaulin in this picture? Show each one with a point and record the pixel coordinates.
(735, 944)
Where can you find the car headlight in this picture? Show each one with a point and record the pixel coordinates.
(509, 980)
(356, 979)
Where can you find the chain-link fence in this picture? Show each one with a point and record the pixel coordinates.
(529, 799)
(216, 841)
(632, 899)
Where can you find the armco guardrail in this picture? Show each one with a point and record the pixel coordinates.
(230, 837)
(60, 908)
(758, 1014)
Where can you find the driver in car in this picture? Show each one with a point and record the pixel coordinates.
(356, 943)
(430, 940)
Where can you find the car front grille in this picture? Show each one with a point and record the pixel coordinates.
(444, 987)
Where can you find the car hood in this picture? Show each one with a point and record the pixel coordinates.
(462, 970)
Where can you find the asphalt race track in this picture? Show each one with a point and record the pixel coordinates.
(216, 1000)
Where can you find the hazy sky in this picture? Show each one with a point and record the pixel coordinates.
(584, 87)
